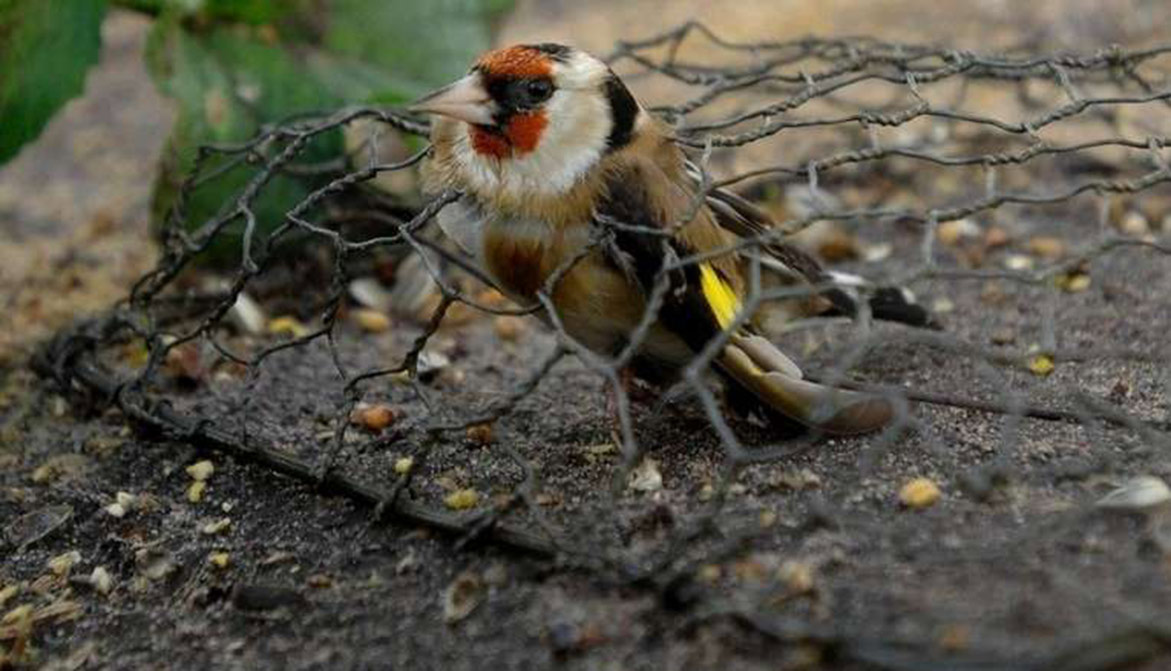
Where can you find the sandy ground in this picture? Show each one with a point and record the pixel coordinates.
(1011, 566)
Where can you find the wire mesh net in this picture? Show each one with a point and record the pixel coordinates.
(1020, 196)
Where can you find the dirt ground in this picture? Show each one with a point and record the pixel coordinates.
(813, 563)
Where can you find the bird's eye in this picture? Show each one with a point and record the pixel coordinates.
(539, 90)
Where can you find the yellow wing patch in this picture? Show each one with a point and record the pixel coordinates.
(720, 295)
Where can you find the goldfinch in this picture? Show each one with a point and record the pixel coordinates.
(550, 149)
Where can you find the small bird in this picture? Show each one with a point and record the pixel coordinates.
(560, 168)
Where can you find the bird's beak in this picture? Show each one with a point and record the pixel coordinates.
(466, 100)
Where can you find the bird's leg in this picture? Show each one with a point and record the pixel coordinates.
(614, 396)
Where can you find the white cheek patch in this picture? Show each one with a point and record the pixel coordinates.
(570, 145)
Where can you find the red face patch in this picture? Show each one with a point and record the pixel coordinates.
(516, 62)
(520, 136)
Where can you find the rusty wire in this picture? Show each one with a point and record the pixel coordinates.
(762, 95)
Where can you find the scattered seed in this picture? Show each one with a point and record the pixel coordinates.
(371, 321)
(124, 503)
(876, 253)
(1140, 493)
(1134, 223)
(319, 581)
(403, 465)
(63, 563)
(1046, 246)
(1074, 282)
(1018, 262)
(709, 573)
(796, 479)
(508, 328)
(61, 467)
(101, 580)
(247, 314)
(195, 491)
(431, 364)
(996, 237)
(370, 293)
(646, 476)
(919, 493)
(462, 499)
(218, 526)
(481, 434)
(951, 232)
(287, 325)
(797, 576)
(462, 597)
(1041, 365)
(201, 470)
(7, 593)
(22, 613)
(154, 564)
(374, 418)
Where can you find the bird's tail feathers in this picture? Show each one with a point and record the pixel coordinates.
(757, 365)
(887, 303)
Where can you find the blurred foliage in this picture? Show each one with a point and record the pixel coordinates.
(233, 66)
(43, 61)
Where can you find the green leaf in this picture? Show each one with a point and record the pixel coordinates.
(425, 44)
(46, 48)
(228, 84)
(232, 72)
